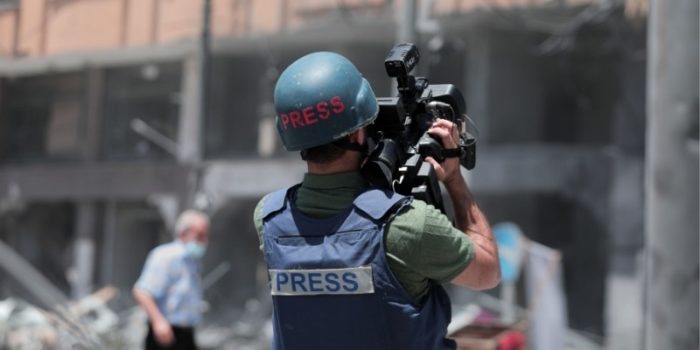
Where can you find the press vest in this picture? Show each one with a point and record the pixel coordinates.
(332, 287)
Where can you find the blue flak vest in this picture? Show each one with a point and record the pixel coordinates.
(331, 285)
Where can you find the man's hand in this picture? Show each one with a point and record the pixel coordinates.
(448, 171)
(163, 332)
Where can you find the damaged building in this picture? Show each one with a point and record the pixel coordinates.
(108, 129)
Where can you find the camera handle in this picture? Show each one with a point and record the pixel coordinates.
(417, 178)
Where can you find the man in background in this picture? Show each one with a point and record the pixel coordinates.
(170, 288)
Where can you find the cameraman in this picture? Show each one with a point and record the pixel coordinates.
(352, 266)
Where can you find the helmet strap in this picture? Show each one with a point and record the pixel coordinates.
(345, 144)
(348, 145)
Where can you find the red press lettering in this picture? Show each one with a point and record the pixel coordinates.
(309, 116)
(338, 105)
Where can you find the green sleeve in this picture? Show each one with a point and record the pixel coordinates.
(445, 251)
(257, 219)
(423, 246)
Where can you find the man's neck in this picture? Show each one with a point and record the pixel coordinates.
(324, 169)
(347, 163)
(342, 165)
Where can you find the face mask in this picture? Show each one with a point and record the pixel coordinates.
(195, 250)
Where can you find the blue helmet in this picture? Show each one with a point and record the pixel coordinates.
(321, 98)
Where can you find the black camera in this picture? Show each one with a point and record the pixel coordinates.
(399, 142)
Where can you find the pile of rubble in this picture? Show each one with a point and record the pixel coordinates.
(85, 324)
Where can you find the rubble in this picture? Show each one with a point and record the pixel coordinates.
(85, 324)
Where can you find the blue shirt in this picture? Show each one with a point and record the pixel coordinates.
(173, 280)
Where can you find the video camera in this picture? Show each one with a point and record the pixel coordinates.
(399, 142)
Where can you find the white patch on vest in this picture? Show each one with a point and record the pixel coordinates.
(354, 280)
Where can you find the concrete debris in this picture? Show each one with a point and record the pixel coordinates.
(85, 324)
(89, 323)
(24, 327)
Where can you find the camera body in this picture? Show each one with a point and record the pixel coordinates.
(399, 142)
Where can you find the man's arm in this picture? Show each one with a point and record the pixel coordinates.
(152, 284)
(162, 330)
(484, 271)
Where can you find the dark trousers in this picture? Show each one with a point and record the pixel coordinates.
(184, 339)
